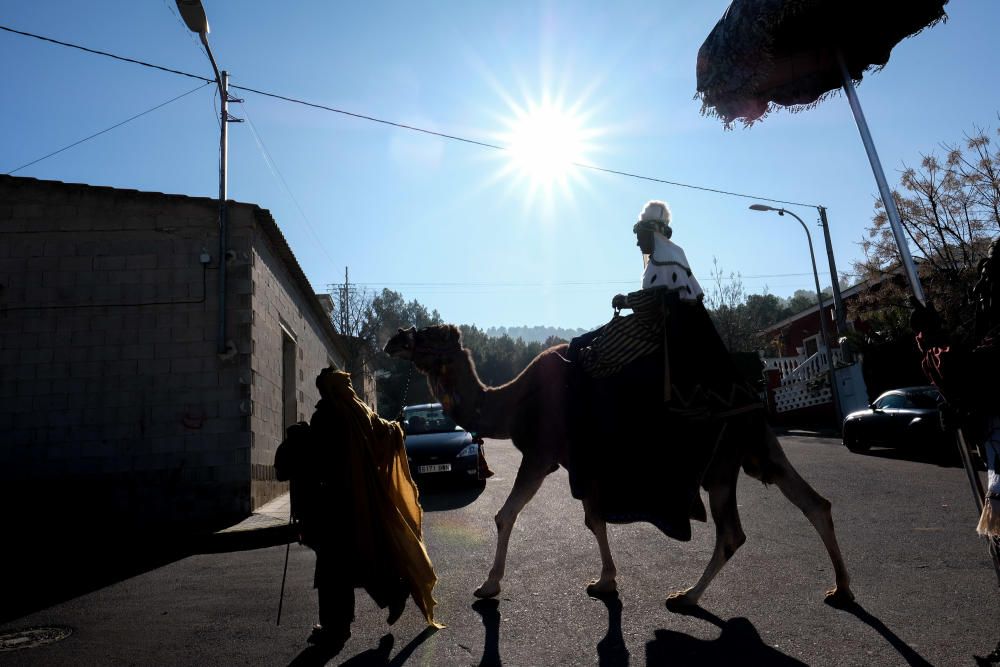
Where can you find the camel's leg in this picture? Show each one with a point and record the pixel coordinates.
(729, 535)
(817, 510)
(530, 476)
(606, 584)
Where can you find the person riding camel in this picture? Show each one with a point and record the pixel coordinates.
(665, 271)
(666, 366)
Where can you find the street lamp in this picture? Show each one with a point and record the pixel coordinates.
(819, 302)
(196, 20)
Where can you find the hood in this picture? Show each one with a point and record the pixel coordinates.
(429, 441)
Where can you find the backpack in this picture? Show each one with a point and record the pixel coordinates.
(294, 462)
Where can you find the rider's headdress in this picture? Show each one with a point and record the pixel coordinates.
(655, 217)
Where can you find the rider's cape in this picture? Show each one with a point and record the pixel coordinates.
(650, 398)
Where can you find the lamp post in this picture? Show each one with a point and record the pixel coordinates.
(196, 20)
(838, 302)
(819, 302)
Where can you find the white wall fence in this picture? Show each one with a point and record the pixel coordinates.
(804, 380)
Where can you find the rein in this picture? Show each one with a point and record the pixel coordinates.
(406, 390)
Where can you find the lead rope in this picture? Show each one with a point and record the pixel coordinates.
(406, 390)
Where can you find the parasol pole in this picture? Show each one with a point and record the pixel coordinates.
(911, 271)
(883, 185)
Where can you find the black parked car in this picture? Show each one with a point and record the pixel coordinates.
(438, 448)
(907, 417)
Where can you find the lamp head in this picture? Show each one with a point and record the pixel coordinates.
(761, 207)
(194, 16)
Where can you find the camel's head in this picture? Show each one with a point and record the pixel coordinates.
(424, 344)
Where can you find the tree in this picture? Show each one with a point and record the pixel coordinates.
(725, 303)
(351, 311)
(741, 319)
(398, 383)
(800, 300)
(950, 211)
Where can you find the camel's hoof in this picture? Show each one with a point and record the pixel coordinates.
(839, 596)
(599, 589)
(681, 600)
(487, 590)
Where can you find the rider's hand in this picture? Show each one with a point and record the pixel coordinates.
(619, 301)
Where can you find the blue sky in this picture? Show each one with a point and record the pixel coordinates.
(460, 227)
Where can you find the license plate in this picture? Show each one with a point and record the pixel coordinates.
(440, 467)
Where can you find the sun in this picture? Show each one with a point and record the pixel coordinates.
(546, 142)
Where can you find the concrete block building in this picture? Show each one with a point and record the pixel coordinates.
(119, 390)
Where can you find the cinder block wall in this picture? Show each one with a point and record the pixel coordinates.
(280, 303)
(111, 390)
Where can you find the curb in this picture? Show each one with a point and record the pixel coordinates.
(245, 539)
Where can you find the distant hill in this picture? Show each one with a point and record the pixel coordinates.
(537, 334)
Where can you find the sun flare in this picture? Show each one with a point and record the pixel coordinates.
(544, 143)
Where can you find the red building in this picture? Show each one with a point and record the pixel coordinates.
(798, 379)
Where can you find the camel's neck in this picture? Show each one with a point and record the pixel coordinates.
(483, 410)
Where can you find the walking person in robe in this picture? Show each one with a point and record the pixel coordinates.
(357, 508)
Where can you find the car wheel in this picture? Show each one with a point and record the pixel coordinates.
(854, 443)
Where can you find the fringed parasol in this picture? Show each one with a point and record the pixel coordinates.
(765, 54)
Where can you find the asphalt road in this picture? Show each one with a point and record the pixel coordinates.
(925, 589)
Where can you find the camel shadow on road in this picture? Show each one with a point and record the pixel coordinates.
(904, 649)
(739, 644)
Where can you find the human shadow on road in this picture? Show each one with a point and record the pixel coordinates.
(904, 649)
(373, 657)
(611, 650)
(489, 611)
(739, 644)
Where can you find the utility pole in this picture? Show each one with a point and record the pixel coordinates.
(193, 14)
(838, 302)
(344, 297)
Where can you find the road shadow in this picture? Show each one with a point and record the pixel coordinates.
(443, 495)
(991, 660)
(45, 570)
(611, 650)
(739, 644)
(49, 559)
(945, 457)
(904, 649)
(489, 612)
(315, 656)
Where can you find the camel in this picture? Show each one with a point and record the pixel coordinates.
(526, 411)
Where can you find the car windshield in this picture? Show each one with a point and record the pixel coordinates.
(428, 419)
(925, 399)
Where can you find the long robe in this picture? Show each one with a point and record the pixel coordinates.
(373, 527)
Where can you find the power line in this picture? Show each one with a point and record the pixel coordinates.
(97, 134)
(412, 128)
(558, 283)
(105, 53)
(273, 167)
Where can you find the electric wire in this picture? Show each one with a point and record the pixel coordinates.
(276, 172)
(116, 125)
(412, 128)
(563, 282)
(105, 53)
(187, 31)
